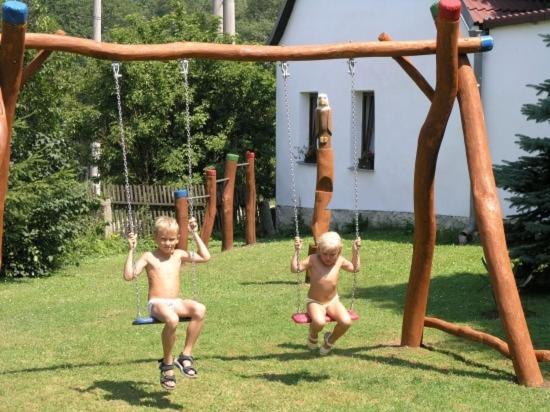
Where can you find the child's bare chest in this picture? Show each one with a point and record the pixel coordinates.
(323, 274)
(164, 268)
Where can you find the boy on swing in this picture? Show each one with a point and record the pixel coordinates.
(164, 304)
(323, 269)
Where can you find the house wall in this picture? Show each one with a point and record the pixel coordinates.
(400, 109)
(519, 58)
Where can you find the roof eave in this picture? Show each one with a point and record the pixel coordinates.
(282, 21)
(521, 18)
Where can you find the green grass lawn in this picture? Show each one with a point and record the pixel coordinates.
(68, 345)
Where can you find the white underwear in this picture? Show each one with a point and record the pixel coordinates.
(323, 304)
(171, 303)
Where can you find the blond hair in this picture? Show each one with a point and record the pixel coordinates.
(329, 241)
(163, 223)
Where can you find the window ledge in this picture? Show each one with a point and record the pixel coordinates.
(361, 170)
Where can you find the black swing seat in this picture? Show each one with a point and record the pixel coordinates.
(149, 320)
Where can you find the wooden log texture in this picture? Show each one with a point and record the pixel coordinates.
(429, 142)
(210, 210)
(250, 228)
(182, 217)
(478, 336)
(38, 61)
(321, 216)
(409, 68)
(479, 162)
(216, 51)
(227, 201)
(12, 48)
(491, 229)
(325, 168)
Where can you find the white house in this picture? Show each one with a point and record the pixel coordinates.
(394, 108)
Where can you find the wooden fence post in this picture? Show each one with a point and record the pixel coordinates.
(227, 200)
(250, 231)
(182, 216)
(107, 212)
(210, 213)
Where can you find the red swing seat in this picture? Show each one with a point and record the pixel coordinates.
(301, 318)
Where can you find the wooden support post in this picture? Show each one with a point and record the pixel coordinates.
(182, 216)
(429, 142)
(210, 213)
(227, 200)
(38, 61)
(491, 229)
(408, 67)
(12, 48)
(250, 231)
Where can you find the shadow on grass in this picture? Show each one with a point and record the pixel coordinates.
(458, 297)
(289, 378)
(69, 366)
(269, 282)
(134, 393)
(360, 353)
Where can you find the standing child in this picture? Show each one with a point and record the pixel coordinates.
(164, 304)
(324, 270)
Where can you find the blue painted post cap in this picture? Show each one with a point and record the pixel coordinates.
(14, 12)
(487, 43)
(178, 194)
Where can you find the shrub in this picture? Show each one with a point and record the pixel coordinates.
(44, 213)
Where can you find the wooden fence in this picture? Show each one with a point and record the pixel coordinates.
(151, 201)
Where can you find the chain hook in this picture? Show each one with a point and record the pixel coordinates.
(184, 66)
(284, 70)
(351, 66)
(116, 70)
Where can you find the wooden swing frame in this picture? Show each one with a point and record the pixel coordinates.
(454, 79)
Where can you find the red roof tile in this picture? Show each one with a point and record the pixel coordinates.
(492, 13)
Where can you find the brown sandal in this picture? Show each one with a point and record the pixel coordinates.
(166, 377)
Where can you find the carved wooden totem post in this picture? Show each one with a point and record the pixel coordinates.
(325, 170)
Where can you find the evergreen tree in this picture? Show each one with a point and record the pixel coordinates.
(528, 178)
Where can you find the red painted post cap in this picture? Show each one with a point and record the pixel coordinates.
(250, 155)
(449, 10)
(210, 172)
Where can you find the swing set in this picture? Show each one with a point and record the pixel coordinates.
(323, 192)
(454, 79)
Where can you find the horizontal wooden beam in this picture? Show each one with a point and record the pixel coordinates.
(542, 355)
(216, 51)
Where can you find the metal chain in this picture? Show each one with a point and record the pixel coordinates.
(184, 69)
(117, 75)
(351, 71)
(286, 74)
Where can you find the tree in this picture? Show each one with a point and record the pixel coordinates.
(232, 107)
(528, 178)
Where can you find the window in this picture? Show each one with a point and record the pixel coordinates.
(366, 156)
(311, 151)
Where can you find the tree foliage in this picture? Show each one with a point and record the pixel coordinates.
(46, 204)
(528, 178)
(231, 108)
